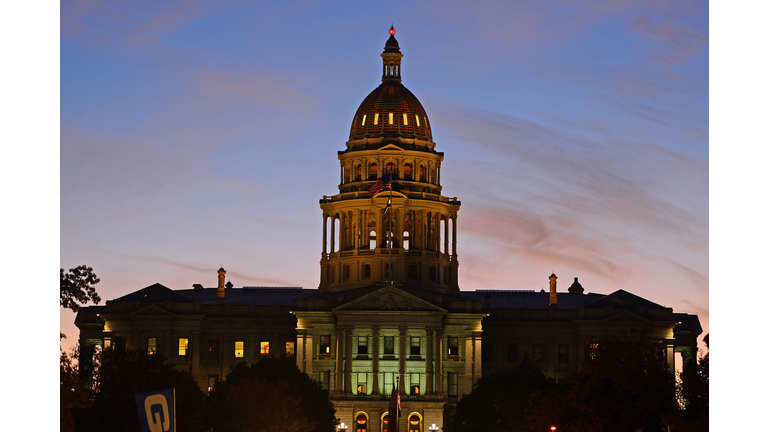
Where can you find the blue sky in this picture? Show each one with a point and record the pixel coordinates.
(576, 135)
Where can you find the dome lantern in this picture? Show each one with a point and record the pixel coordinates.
(391, 58)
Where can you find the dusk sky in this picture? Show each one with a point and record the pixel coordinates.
(576, 135)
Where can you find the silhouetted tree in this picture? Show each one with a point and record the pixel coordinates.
(77, 287)
(120, 375)
(286, 390)
(693, 394)
(624, 384)
(73, 393)
(498, 401)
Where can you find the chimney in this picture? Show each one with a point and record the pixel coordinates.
(220, 289)
(553, 290)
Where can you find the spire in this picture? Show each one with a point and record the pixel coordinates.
(391, 57)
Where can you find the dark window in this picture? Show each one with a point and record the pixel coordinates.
(346, 272)
(562, 354)
(366, 271)
(487, 352)
(325, 344)
(413, 271)
(213, 349)
(120, 343)
(212, 380)
(415, 346)
(538, 352)
(389, 345)
(325, 379)
(453, 346)
(512, 353)
(453, 384)
(432, 273)
(362, 345)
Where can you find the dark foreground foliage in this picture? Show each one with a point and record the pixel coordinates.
(269, 396)
(120, 375)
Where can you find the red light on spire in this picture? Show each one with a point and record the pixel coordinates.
(392, 30)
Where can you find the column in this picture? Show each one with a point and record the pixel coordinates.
(477, 363)
(446, 246)
(301, 342)
(455, 218)
(308, 352)
(339, 381)
(333, 233)
(430, 334)
(469, 358)
(348, 362)
(439, 361)
(375, 353)
(325, 234)
(402, 356)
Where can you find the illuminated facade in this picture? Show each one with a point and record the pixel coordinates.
(359, 333)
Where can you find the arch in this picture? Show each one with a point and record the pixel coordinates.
(384, 421)
(359, 172)
(415, 422)
(407, 172)
(406, 240)
(390, 168)
(373, 171)
(361, 422)
(422, 173)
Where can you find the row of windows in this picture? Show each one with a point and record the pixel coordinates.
(537, 353)
(414, 382)
(391, 119)
(213, 347)
(389, 345)
(389, 168)
(361, 422)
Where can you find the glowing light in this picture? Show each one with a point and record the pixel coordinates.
(553, 428)
(392, 30)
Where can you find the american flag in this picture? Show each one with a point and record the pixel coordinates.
(384, 183)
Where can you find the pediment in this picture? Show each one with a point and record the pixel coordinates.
(152, 310)
(391, 147)
(626, 316)
(389, 298)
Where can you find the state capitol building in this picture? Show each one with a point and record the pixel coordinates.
(388, 306)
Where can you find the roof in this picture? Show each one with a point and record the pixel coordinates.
(391, 97)
(156, 293)
(273, 296)
(530, 299)
(624, 300)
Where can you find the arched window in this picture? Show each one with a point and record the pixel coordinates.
(372, 238)
(414, 423)
(359, 172)
(390, 168)
(407, 175)
(373, 171)
(361, 422)
(406, 240)
(422, 172)
(385, 422)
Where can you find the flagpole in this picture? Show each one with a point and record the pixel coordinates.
(390, 235)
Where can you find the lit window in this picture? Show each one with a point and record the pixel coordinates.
(264, 348)
(107, 343)
(405, 119)
(592, 350)
(239, 349)
(391, 118)
(183, 346)
(151, 345)
(453, 346)
(415, 346)
(390, 168)
(212, 380)
(363, 123)
(414, 423)
(376, 119)
(290, 349)
(418, 123)
(415, 383)
(361, 423)
(325, 344)
(362, 381)
(362, 345)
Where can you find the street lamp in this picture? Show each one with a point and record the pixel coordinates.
(433, 428)
(342, 427)
(553, 428)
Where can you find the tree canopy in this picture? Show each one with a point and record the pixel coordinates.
(77, 287)
(498, 401)
(624, 384)
(121, 375)
(270, 396)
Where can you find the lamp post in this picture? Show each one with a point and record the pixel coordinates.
(433, 428)
(342, 427)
